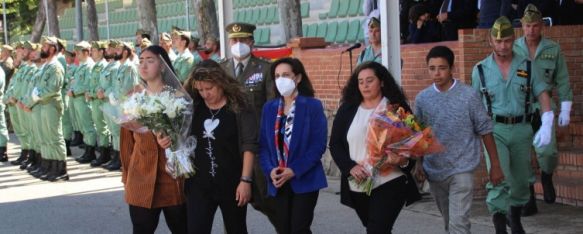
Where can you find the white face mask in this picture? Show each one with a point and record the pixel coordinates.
(285, 86)
(240, 50)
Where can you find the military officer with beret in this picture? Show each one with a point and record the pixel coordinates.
(184, 61)
(79, 86)
(253, 74)
(10, 99)
(105, 83)
(547, 59)
(509, 84)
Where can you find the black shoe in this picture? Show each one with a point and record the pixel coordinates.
(104, 156)
(548, 188)
(59, 173)
(68, 146)
(499, 221)
(30, 159)
(43, 169)
(530, 207)
(36, 163)
(21, 158)
(77, 139)
(115, 163)
(514, 220)
(3, 155)
(88, 156)
(50, 170)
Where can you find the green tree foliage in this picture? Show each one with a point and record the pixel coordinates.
(20, 16)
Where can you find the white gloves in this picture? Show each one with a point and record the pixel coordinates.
(564, 116)
(35, 94)
(543, 136)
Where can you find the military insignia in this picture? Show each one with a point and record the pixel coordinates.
(254, 79)
(522, 73)
(236, 28)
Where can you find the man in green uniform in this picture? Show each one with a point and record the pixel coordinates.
(77, 137)
(10, 99)
(184, 61)
(105, 82)
(547, 59)
(3, 129)
(67, 123)
(253, 74)
(79, 86)
(123, 81)
(103, 136)
(508, 86)
(373, 51)
(166, 43)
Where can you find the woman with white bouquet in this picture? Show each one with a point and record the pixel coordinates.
(149, 188)
(226, 130)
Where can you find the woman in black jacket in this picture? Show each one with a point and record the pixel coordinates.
(370, 85)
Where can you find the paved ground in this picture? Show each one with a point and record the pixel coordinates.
(92, 202)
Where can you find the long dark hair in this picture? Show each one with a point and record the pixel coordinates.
(158, 50)
(305, 87)
(389, 88)
(211, 71)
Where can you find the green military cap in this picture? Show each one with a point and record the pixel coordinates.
(531, 14)
(31, 46)
(175, 28)
(165, 37)
(62, 42)
(194, 39)
(142, 31)
(181, 33)
(18, 44)
(502, 28)
(7, 47)
(238, 30)
(70, 54)
(83, 45)
(114, 43)
(49, 40)
(374, 22)
(99, 44)
(129, 45)
(145, 43)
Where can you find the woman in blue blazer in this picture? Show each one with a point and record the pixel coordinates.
(293, 138)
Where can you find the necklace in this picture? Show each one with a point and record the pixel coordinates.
(215, 114)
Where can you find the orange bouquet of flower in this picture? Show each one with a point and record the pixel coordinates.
(392, 130)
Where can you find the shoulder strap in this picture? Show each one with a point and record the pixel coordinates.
(528, 89)
(484, 90)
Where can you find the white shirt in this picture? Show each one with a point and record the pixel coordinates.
(357, 136)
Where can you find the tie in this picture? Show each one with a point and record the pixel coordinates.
(444, 6)
(239, 69)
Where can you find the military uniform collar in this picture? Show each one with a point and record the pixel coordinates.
(542, 45)
(186, 53)
(245, 62)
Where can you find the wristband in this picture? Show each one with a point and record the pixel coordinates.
(246, 179)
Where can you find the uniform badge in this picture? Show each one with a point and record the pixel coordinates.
(522, 73)
(254, 79)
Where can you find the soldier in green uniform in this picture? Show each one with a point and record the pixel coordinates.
(122, 82)
(10, 99)
(547, 59)
(373, 51)
(140, 35)
(3, 129)
(71, 133)
(253, 74)
(103, 136)
(79, 86)
(66, 120)
(184, 62)
(105, 82)
(508, 86)
(193, 47)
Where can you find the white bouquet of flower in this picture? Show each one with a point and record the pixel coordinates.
(168, 112)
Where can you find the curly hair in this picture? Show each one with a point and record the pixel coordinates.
(211, 71)
(389, 88)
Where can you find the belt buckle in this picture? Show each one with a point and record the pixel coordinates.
(508, 120)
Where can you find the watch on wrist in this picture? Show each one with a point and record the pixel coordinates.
(246, 179)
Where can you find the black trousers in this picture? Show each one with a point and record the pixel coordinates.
(202, 206)
(378, 212)
(145, 221)
(295, 212)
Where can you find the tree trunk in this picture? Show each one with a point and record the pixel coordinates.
(291, 18)
(92, 20)
(207, 22)
(148, 19)
(53, 19)
(39, 24)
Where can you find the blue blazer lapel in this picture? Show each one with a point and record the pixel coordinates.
(300, 119)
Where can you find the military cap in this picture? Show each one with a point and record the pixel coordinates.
(114, 43)
(83, 45)
(165, 37)
(238, 30)
(374, 22)
(32, 46)
(502, 28)
(181, 33)
(70, 54)
(99, 44)
(175, 28)
(62, 42)
(7, 47)
(128, 45)
(145, 43)
(194, 39)
(531, 14)
(18, 44)
(49, 40)
(142, 31)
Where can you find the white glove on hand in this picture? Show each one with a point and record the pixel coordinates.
(543, 136)
(564, 116)
(35, 94)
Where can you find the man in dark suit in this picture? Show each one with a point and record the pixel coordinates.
(490, 10)
(454, 15)
(253, 74)
(571, 12)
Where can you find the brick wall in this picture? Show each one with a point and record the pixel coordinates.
(323, 66)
